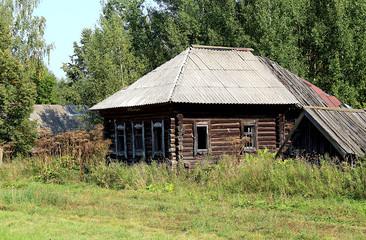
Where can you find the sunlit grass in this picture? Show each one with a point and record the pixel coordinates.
(259, 198)
(91, 212)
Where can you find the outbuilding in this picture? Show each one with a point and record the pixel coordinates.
(337, 132)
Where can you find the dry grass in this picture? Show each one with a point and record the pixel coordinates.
(81, 149)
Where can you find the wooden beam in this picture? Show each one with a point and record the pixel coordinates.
(296, 125)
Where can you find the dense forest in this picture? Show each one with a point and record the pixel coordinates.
(321, 41)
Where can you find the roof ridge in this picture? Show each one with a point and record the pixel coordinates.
(223, 48)
(170, 96)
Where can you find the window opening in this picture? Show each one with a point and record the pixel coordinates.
(202, 137)
(157, 129)
(120, 140)
(249, 132)
(138, 139)
(158, 134)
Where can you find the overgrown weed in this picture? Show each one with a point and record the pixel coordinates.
(72, 154)
(259, 174)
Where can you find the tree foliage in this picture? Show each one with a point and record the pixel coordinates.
(16, 102)
(321, 41)
(103, 62)
(23, 77)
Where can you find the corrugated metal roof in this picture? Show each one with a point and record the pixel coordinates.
(345, 127)
(305, 92)
(202, 74)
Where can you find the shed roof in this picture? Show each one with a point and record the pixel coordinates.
(205, 75)
(58, 118)
(344, 128)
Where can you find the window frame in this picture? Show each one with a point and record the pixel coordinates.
(198, 151)
(253, 124)
(157, 124)
(118, 127)
(134, 126)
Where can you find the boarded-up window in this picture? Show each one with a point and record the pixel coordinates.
(157, 131)
(120, 140)
(138, 139)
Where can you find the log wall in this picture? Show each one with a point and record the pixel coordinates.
(225, 125)
(223, 135)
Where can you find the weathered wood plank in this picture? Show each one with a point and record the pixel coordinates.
(267, 124)
(260, 134)
(220, 139)
(224, 120)
(263, 139)
(224, 131)
(225, 125)
(260, 120)
(227, 134)
(266, 129)
(226, 144)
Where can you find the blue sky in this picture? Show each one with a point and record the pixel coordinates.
(65, 20)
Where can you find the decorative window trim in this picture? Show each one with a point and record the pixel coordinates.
(154, 138)
(134, 150)
(200, 151)
(253, 124)
(118, 127)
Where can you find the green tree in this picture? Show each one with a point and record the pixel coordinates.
(26, 42)
(26, 30)
(45, 84)
(322, 41)
(103, 63)
(22, 49)
(16, 101)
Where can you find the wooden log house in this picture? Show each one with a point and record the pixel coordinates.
(198, 104)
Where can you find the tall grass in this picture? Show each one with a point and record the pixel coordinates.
(289, 177)
(39, 195)
(251, 175)
(260, 174)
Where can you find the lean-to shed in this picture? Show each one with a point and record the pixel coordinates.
(339, 132)
(197, 104)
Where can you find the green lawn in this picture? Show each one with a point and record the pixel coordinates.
(32, 210)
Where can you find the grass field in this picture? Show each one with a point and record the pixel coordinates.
(83, 211)
(148, 202)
